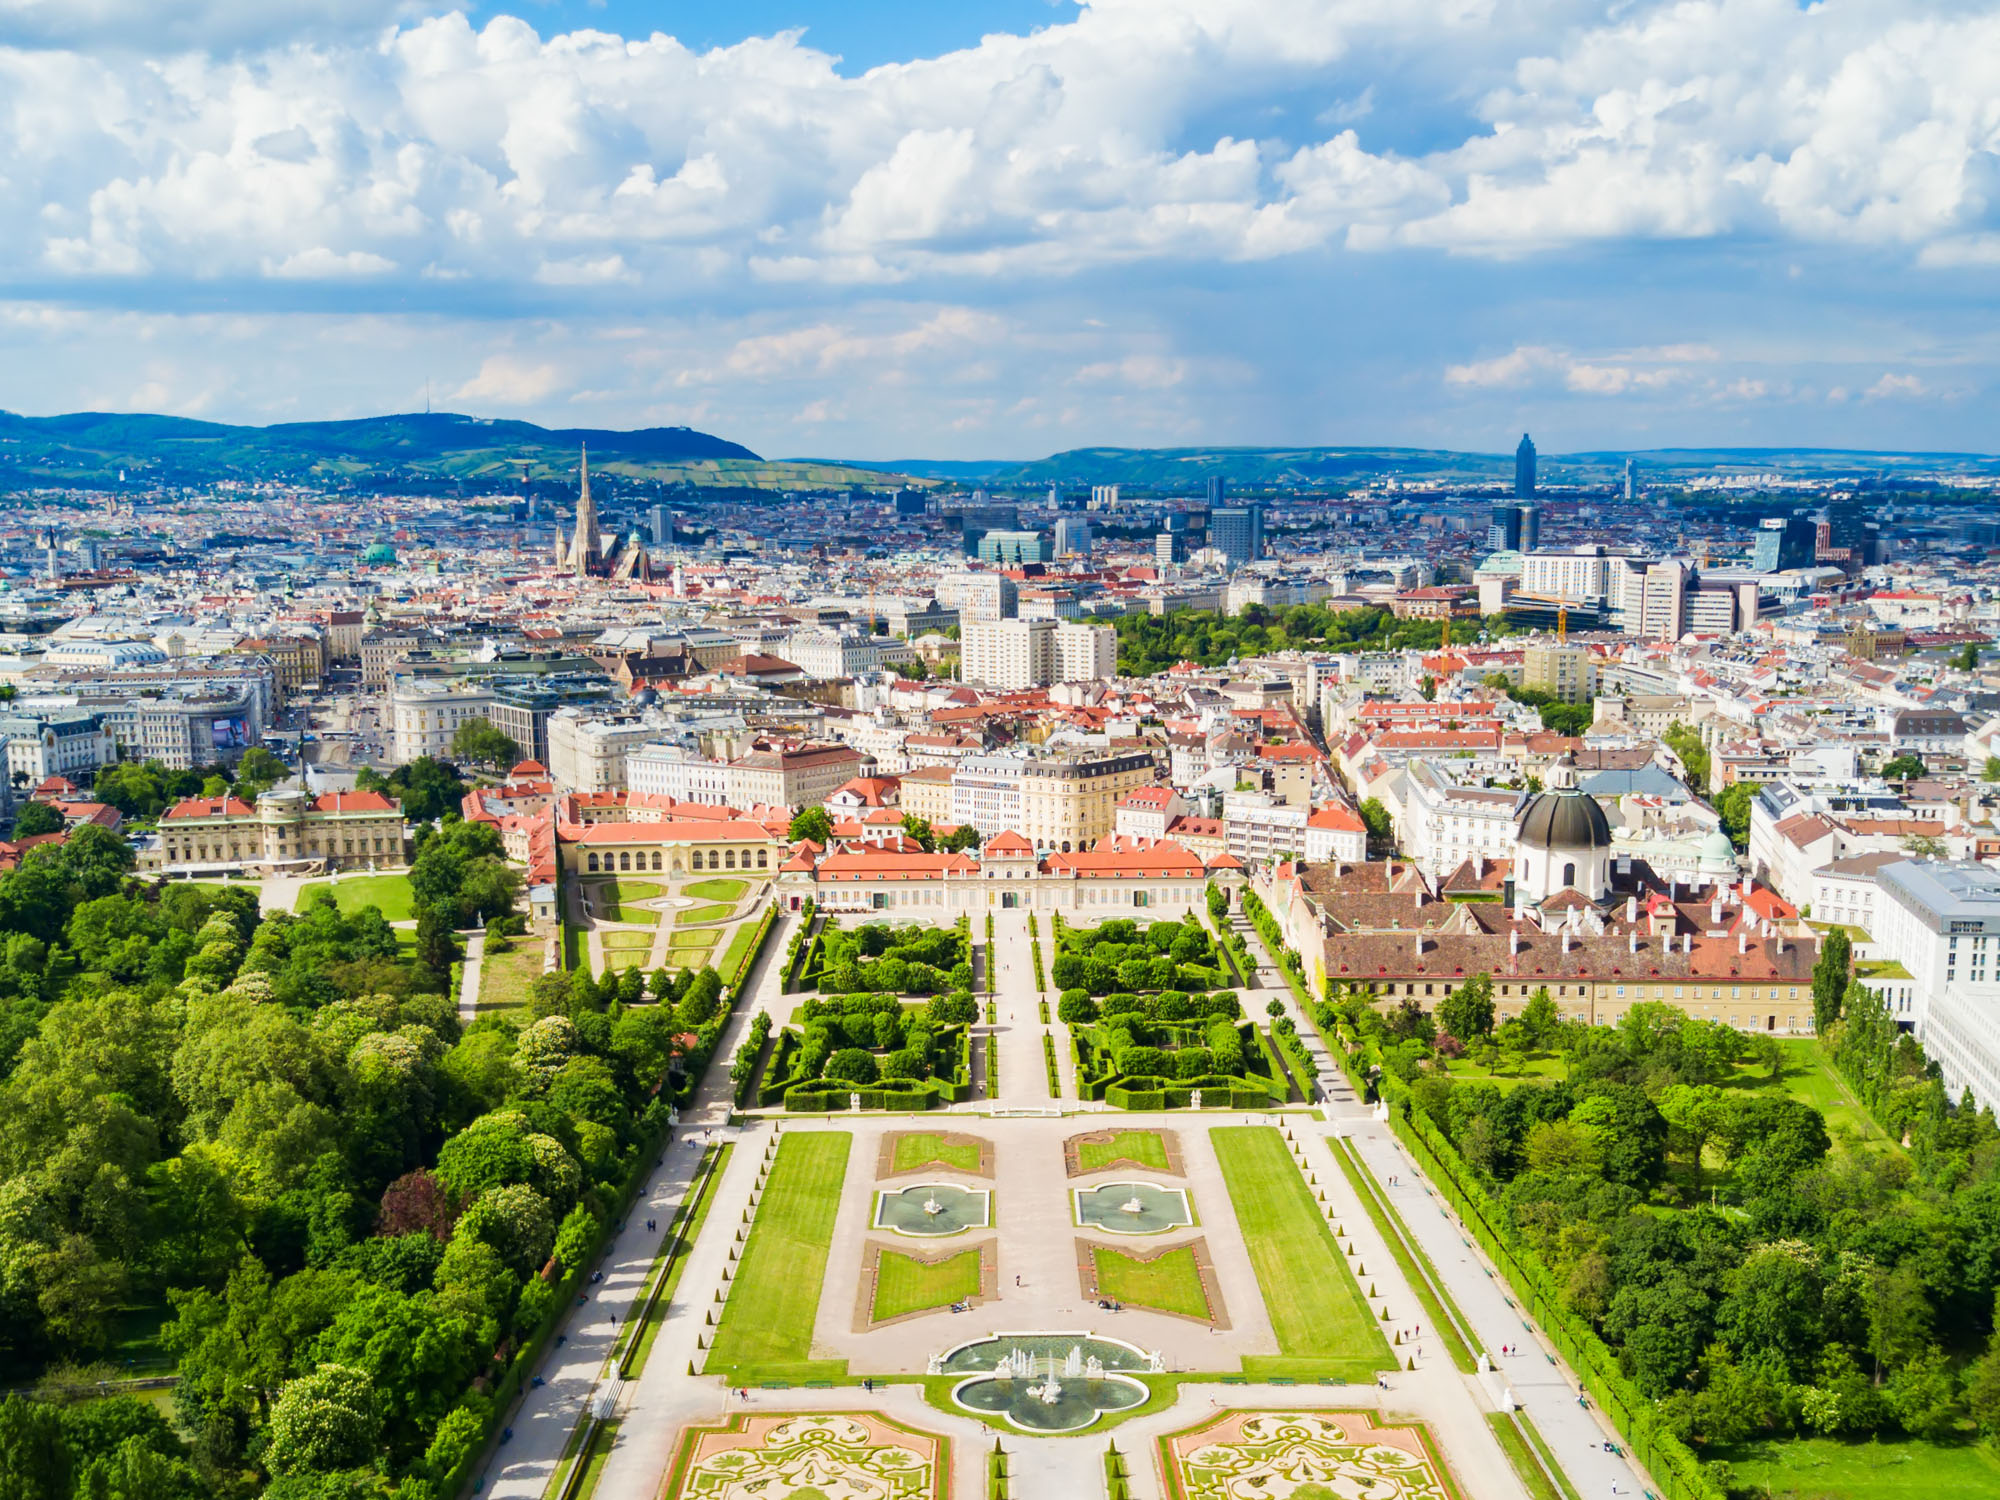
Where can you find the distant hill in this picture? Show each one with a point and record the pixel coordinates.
(1187, 470)
(419, 449)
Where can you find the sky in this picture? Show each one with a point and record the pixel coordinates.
(884, 229)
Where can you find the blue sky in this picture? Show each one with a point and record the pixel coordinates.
(885, 228)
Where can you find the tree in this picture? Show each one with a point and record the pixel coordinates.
(960, 839)
(1905, 767)
(1734, 804)
(259, 771)
(1467, 1012)
(478, 741)
(853, 1066)
(1967, 660)
(34, 1459)
(324, 1421)
(1693, 754)
(1381, 829)
(37, 817)
(919, 829)
(812, 823)
(1924, 846)
(1540, 1019)
(1829, 978)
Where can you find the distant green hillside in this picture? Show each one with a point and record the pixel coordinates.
(1187, 470)
(420, 449)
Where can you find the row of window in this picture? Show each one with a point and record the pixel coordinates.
(626, 859)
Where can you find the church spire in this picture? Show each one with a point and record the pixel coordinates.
(587, 545)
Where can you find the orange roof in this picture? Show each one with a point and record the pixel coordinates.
(339, 802)
(1009, 842)
(685, 831)
(1337, 817)
(528, 770)
(209, 807)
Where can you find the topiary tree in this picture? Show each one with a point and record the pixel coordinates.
(853, 1066)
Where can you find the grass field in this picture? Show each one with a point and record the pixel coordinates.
(1409, 1257)
(739, 944)
(1321, 1319)
(616, 900)
(504, 977)
(389, 893)
(1143, 1146)
(1168, 1282)
(1824, 1469)
(716, 890)
(920, 1149)
(904, 1284)
(1809, 1076)
(628, 942)
(767, 1324)
(693, 942)
(720, 911)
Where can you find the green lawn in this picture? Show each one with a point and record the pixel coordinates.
(922, 1148)
(1542, 1067)
(504, 977)
(698, 942)
(352, 893)
(767, 1325)
(617, 900)
(1825, 1469)
(716, 890)
(739, 945)
(1322, 1321)
(1523, 1459)
(1168, 1282)
(904, 1284)
(1142, 1146)
(720, 911)
(672, 1270)
(1810, 1077)
(628, 942)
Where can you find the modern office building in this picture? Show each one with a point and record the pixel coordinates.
(1072, 536)
(1524, 469)
(1514, 528)
(1237, 532)
(1784, 542)
(1941, 921)
(1002, 547)
(1170, 547)
(1218, 486)
(1013, 655)
(1631, 479)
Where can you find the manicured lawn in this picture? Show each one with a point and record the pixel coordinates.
(1168, 1282)
(617, 900)
(739, 945)
(1540, 1068)
(628, 942)
(923, 1148)
(1823, 1469)
(1523, 1460)
(1316, 1310)
(672, 1270)
(1143, 1146)
(904, 1284)
(720, 911)
(716, 890)
(504, 977)
(693, 942)
(767, 1325)
(388, 893)
(1810, 1076)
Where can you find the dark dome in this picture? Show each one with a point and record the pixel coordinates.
(1565, 820)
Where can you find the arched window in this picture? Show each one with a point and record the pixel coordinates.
(763, 859)
(656, 859)
(1569, 874)
(714, 860)
(593, 861)
(625, 860)
(729, 859)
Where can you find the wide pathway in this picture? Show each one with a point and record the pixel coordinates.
(1543, 1387)
(468, 984)
(1024, 1074)
(545, 1417)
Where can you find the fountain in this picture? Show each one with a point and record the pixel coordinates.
(1132, 1208)
(933, 1209)
(1046, 1383)
(1073, 1363)
(932, 1206)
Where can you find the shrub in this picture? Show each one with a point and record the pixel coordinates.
(1076, 1008)
(852, 1065)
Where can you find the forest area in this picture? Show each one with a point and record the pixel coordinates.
(271, 1137)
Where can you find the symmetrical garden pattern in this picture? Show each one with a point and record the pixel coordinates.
(830, 1456)
(1302, 1456)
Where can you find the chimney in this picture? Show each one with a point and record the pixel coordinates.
(1742, 942)
(1478, 867)
(1632, 940)
(1746, 888)
(1565, 940)
(1687, 943)
(1513, 941)
(1631, 908)
(1666, 943)
(1715, 910)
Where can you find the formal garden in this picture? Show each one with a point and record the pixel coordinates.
(890, 1052)
(1149, 1052)
(1120, 955)
(1303, 1455)
(878, 958)
(762, 1457)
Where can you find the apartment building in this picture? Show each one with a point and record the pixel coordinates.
(590, 755)
(674, 771)
(1561, 670)
(804, 777)
(1445, 823)
(71, 743)
(424, 714)
(1012, 655)
(1941, 921)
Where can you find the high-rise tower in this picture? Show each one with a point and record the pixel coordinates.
(1524, 469)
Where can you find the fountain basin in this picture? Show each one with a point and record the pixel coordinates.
(933, 1209)
(1024, 1403)
(1132, 1207)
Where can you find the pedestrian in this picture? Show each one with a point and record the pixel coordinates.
(1017, 1280)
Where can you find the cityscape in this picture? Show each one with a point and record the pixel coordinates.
(1282, 911)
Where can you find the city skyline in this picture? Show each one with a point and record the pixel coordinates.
(1016, 229)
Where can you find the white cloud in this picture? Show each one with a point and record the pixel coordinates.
(495, 154)
(1892, 384)
(319, 263)
(504, 380)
